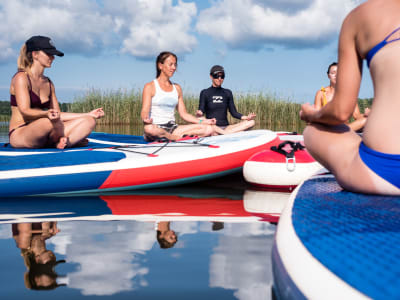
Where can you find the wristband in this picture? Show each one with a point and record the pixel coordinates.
(200, 120)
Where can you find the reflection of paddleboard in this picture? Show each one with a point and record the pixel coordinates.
(134, 166)
(333, 244)
(256, 201)
(151, 205)
(282, 166)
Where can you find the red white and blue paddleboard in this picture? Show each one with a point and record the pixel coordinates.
(123, 164)
(334, 244)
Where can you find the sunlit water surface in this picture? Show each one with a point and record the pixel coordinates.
(121, 259)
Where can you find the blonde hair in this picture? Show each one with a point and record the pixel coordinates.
(25, 59)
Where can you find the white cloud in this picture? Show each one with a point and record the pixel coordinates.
(138, 27)
(253, 24)
(74, 26)
(149, 27)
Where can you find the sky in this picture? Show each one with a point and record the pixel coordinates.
(276, 47)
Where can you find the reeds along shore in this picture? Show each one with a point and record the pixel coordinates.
(123, 107)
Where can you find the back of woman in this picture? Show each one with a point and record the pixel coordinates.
(371, 163)
(378, 42)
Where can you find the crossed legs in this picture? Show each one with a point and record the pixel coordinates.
(336, 148)
(43, 133)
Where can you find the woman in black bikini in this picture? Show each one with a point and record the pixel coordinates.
(36, 120)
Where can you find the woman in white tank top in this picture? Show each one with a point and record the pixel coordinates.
(160, 99)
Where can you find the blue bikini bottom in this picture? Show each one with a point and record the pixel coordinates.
(384, 165)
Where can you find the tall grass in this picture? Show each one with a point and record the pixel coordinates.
(123, 107)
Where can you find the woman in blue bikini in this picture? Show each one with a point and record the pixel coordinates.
(371, 163)
(36, 120)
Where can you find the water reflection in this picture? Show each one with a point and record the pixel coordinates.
(40, 262)
(218, 242)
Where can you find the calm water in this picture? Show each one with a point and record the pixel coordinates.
(106, 247)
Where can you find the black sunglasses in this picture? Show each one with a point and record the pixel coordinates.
(218, 75)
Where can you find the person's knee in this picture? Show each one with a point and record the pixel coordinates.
(150, 130)
(90, 122)
(209, 130)
(250, 124)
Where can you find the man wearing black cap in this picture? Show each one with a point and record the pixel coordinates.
(215, 102)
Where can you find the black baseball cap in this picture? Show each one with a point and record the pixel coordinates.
(217, 69)
(43, 43)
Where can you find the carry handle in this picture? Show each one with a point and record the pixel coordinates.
(289, 156)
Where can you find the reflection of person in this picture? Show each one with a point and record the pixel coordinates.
(215, 101)
(160, 98)
(165, 236)
(371, 163)
(325, 94)
(40, 262)
(36, 120)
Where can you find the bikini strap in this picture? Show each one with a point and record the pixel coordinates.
(50, 83)
(389, 35)
(29, 80)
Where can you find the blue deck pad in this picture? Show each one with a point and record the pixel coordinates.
(59, 159)
(106, 139)
(118, 138)
(356, 236)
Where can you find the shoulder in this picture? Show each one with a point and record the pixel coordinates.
(20, 78)
(49, 80)
(150, 86)
(206, 91)
(227, 91)
(178, 87)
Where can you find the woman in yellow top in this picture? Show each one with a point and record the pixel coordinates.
(325, 95)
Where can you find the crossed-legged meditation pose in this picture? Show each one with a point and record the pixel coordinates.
(160, 99)
(36, 119)
(325, 94)
(215, 101)
(371, 163)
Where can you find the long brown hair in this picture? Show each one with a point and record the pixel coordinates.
(161, 58)
(25, 59)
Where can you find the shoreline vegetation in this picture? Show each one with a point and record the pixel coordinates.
(123, 107)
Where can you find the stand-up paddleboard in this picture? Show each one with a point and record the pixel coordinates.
(193, 204)
(128, 166)
(334, 244)
(281, 166)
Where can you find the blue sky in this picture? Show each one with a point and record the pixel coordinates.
(278, 47)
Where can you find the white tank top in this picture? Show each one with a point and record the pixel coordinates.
(163, 105)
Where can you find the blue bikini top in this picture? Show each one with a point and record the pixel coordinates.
(379, 46)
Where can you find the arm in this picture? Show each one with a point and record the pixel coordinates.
(185, 115)
(202, 104)
(231, 106)
(339, 110)
(148, 93)
(67, 116)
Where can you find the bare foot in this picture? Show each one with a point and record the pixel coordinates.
(62, 143)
